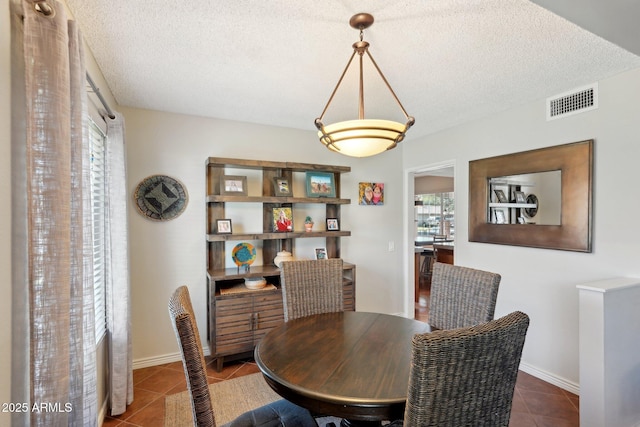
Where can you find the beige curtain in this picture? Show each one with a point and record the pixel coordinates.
(118, 295)
(54, 278)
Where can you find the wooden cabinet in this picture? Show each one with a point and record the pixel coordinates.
(349, 286)
(444, 252)
(241, 320)
(238, 319)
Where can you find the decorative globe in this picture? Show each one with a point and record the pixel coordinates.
(243, 254)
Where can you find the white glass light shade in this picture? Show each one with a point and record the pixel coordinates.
(362, 138)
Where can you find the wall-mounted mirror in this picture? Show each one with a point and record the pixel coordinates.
(539, 198)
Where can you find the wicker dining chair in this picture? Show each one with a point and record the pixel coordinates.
(278, 413)
(465, 376)
(311, 287)
(461, 296)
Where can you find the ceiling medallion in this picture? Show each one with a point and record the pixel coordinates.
(362, 137)
(161, 198)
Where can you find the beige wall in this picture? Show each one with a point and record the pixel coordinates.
(543, 282)
(165, 255)
(5, 213)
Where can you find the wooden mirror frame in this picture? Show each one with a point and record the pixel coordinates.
(575, 161)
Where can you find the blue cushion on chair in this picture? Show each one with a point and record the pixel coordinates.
(278, 413)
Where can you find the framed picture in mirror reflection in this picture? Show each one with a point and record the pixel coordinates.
(500, 216)
(500, 196)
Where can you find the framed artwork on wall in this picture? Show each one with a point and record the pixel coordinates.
(371, 193)
(161, 197)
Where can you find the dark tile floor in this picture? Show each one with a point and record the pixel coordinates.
(535, 404)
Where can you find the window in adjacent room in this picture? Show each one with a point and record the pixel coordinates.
(435, 214)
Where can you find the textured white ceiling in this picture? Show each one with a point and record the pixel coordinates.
(276, 62)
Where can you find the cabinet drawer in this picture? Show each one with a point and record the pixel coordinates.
(268, 320)
(234, 343)
(234, 330)
(349, 305)
(349, 296)
(233, 324)
(267, 299)
(233, 316)
(234, 303)
(268, 312)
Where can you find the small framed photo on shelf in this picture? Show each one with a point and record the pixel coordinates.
(333, 224)
(500, 196)
(320, 184)
(223, 226)
(520, 198)
(282, 219)
(321, 253)
(281, 186)
(231, 185)
(499, 216)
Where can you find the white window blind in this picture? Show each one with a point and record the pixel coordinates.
(98, 208)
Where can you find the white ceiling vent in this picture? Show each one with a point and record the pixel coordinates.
(573, 102)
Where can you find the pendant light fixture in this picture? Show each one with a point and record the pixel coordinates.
(362, 137)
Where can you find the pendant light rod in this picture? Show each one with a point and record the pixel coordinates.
(361, 88)
(384, 79)
(336, 88)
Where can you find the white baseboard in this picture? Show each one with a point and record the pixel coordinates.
(156, 360)
(161, 360)
(103, 413)
(550, 378)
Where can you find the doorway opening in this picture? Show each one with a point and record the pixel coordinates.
(433, 196)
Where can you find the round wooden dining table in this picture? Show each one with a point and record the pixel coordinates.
(352, 365)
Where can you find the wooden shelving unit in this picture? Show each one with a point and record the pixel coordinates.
(237, 321)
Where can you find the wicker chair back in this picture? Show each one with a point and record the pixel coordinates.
(186, 329)
(311, 287)
(461, 296)
(466, 376)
